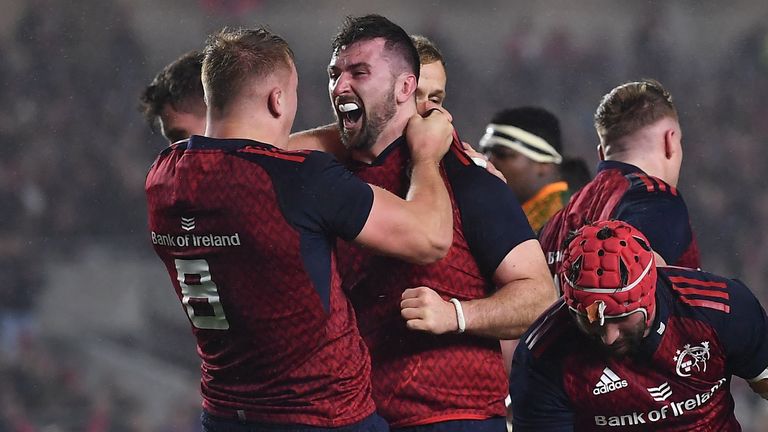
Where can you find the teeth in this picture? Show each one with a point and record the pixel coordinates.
(347, 107)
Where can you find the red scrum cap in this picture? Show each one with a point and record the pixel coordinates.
(608, 271)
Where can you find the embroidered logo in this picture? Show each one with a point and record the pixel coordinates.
(660, 393)
(187, 224)
(692, 358)
(609, 382)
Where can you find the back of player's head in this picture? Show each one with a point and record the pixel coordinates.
(531, 131)
(609, 271)
(631, 107)
(177, 85)
(368, 27)
(428, 51)
(236, 57)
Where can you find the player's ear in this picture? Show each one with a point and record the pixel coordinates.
(600, 152)
(275, 102)
(671, 146)
(405, 87)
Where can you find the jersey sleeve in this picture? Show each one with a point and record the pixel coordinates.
(539, 402)
(331, 198)
(662, 216)
(745, 333)
(492, 220)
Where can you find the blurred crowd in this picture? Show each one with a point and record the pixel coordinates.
(75, 152)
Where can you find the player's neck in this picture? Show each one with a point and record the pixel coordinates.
(393, 130)
(267, 132)
(653, 166)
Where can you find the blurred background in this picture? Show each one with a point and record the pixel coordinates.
(93, 338)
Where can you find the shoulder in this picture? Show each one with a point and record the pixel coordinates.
(548, 335)
(642, 183)
(707, 294)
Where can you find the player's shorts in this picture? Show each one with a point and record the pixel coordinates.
(372, 423)
(496, 424)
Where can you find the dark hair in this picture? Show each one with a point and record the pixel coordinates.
(632, 106)
(233, 56)
(357, 29)
(428, 51)
(575, 172)
(178, 84)
(535, 120)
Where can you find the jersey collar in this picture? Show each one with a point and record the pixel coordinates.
(199, 142)
(659, 325)
(625, 168)
(379, 160)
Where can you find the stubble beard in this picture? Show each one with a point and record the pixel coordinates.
(373, 126)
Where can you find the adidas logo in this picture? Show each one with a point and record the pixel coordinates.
(609, 382)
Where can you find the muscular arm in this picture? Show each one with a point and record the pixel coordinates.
(525, 291)
(505, 249)
(419, 229)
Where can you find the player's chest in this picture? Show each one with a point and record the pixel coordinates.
(683, 382)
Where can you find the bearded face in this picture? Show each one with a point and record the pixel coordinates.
(362, 91)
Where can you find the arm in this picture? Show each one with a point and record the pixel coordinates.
(525, 291)
(323, 138)
(419, 229)
(538, 400)
(662, 217)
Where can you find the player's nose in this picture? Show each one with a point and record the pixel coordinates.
(611, 334)
(340, 85)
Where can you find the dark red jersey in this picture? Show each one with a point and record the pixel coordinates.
(420, 378)
(622, 191)
(246, 232)
(707, 328)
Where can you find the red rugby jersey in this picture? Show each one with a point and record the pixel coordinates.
(622, 191)
(245, 231)
(707, 328)
(419, 378)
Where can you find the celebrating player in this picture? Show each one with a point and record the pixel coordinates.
(247, 233)
(488, 287)
(634, 347)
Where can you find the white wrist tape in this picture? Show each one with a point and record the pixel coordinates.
(459, 315)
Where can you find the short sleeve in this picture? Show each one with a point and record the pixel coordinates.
(539, 402)
(330, 198)
(492, 220)
(662, 217)
(745, 333)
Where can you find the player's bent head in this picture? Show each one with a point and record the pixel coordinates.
(177, 87)
(428, 51)
(398, 45)
(531, 131)
(609, 272)
(236, 59)
(630, 107)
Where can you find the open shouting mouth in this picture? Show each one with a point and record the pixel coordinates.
(350, 114)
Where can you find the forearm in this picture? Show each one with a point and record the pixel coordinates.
(509, 312)
(430, 204)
